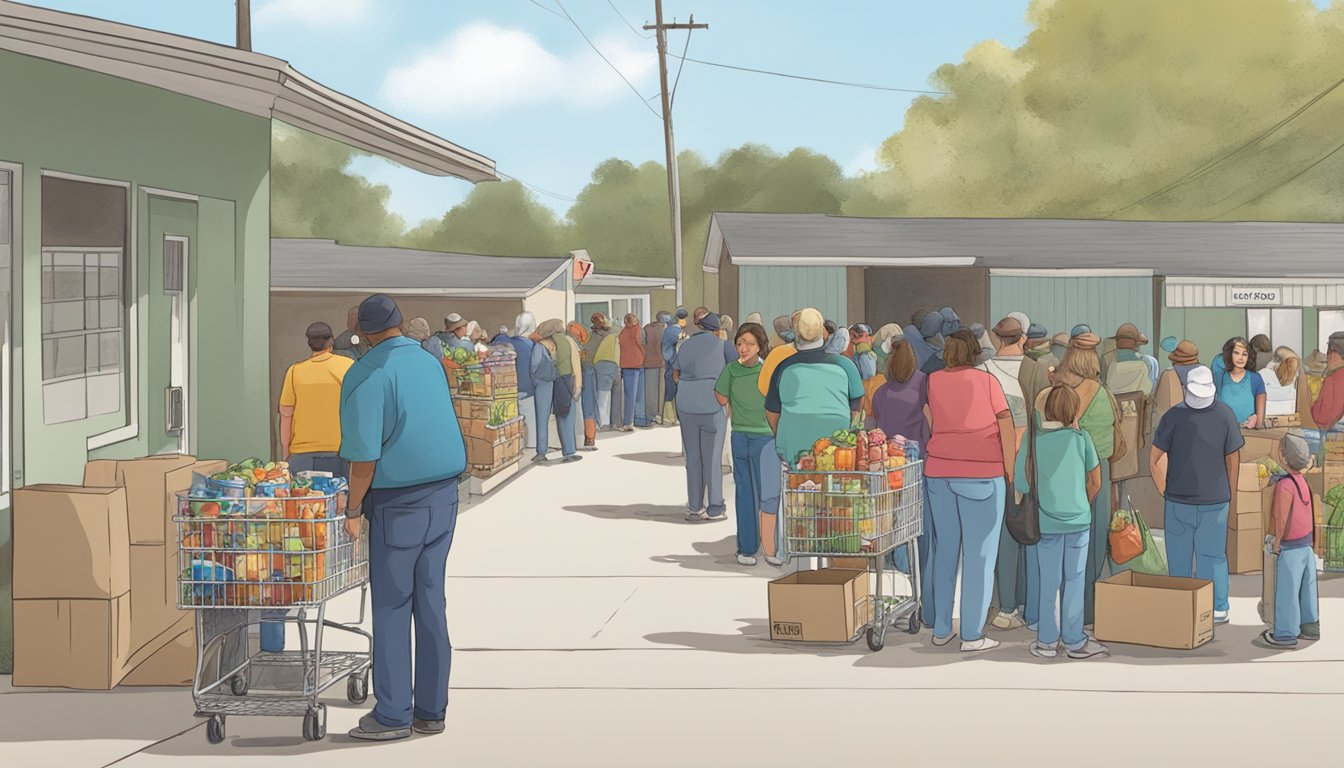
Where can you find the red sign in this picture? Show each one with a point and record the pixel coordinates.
(582, 268)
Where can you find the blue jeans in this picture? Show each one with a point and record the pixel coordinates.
(565, 425)
(969, 511)
(702, 437)
(633, 381)
(589, 394)
(1017, 575)
(410, 533)
(542, 395)
(1197, 533)
(1294, 592)
(1063, 568)
(924, 547)
(756, 476)
(669, 385)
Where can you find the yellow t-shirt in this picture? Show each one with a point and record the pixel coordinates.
(313, 389)
(777, 355)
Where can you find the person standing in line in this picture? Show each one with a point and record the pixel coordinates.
(787, 348)
(401, 437)
(454, 333)
(1067, 478)
(418, 330)
(703, 422)
(558, 381)
(604, 351)
(588, 394)
(971, 455)
(726, 333)
(1284, 388)
(864, 357)
(653, 368)
(1296, 613)
(521, 340)
(1200, 444)
(632, 373)
(1170, 391)
(1038, 343)
(1328, 408)
(348, 344)
(755, 465)
(1239, 386)
(931, 331)
(671, 337)
(881, 347)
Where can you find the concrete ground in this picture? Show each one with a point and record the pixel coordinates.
(593, 626)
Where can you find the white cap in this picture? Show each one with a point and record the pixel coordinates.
(1021, 318)
(1199, 389)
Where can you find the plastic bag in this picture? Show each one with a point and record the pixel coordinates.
(1151, 561)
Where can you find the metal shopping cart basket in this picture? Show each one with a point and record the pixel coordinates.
(249, 560)
(860, 514)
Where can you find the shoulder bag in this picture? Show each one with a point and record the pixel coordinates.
(1023, 520)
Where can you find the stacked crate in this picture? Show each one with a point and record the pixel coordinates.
(488, 414)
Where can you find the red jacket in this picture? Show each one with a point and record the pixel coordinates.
(632, 346)
(1329, 407)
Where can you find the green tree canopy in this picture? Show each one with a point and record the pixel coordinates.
(314, 194)
(498, 218)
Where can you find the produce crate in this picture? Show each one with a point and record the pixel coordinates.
(484, 457)
(487, 409)
(1330, 546)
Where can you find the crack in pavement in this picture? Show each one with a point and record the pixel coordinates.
(613, 614)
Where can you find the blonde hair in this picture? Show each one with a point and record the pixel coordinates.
(809, 325)
(1083, 363)
(1288, 365)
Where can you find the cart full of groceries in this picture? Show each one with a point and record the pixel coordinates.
(258, 544)
(859, 494)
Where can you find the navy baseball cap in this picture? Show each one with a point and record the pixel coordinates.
(378, 313)
(710, 322)
(1079, 330)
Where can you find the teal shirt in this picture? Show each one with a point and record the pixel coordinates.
(814, 393)
(396, 410)
(739, 384)
(1064, 456)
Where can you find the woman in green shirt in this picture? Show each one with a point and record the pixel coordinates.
(755, 463)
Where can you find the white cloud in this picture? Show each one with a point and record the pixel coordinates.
(863, 162)
(483, 68)
(328, 13)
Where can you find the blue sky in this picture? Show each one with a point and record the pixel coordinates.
(517, 83)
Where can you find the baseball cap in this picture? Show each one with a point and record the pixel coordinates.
(1079, 330)
(378, 313)
(1199, 389)
(709, 322)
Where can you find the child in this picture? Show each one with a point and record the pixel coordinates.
(1291, 537)
(1067, 477)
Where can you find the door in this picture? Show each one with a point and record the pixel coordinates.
(172, 233)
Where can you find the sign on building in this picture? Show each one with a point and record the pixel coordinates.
(1254, 297)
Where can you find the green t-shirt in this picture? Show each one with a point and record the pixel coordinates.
(1064, 456)
(738, 383)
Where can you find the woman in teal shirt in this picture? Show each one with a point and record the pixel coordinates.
(1240, 387)
(755, 465)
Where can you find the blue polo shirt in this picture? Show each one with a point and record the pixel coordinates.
(396, 410)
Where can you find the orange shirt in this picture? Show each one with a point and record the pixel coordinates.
(777, 355)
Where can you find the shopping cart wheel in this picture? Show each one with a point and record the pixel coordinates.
(914, 624)
(238, 684)
(315, 723)
(357, 688)
(214, 729)
(876, 639)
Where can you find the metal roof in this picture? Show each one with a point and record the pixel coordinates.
(1203, 249)
(612, 283)
(243, 80)
(325, 265)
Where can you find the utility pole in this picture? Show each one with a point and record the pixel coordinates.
(244, 24)
(673, 182)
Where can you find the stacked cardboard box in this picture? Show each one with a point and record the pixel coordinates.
(1246, 525)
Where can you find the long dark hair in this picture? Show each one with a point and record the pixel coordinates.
(757, 332)
(901, 363)
(1232, 345)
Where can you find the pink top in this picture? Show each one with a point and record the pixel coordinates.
(965, 404)
(1292, 493)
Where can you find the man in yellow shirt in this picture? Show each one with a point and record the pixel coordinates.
(784, 328)
(310, 407)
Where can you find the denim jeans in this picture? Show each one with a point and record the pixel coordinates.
(1295, 600)
(757, 480)
(410, 534)
(653, 395)
(605, 374)
(702, 436)
(1063, 563)
(924, 549)
(1197, 534)
(541, 414)
(589, 394)
(1098, 550)
(1016, 577)
(967, 516)
(565, 426)
(528, 411)
(633, 381)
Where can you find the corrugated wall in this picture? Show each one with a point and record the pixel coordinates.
(775, 291)
(1059, 303)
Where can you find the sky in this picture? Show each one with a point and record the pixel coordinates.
(515, 80)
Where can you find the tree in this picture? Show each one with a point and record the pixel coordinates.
(621, 219)
(499, 219)
(313, 194)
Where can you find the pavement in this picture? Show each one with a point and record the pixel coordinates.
(594, 626)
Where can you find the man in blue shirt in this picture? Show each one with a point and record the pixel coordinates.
(704, 424)
(524, 326)
(400, 434)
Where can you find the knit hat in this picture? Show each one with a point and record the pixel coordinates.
(709, 322)
(1296, 452)
(951, 320)
(1185, 353)
(418, 329)
(378, 313)
(1085, 341)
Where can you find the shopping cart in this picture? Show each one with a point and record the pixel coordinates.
(860, 514)
(249, 560)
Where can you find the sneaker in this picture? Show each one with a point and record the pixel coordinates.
(717, 518)
(1088, 650)
(978, 646)
(589, 446)
(571, 458)
(696, 517)
(369, 729)
(540, 459)
(775, 561)
(1008, 621)
(746, 560)
(627, 428)
(941, 641)
(1220, 617)
(1043, 651)
(1268, 637)
(427, 727)
(1310, 631)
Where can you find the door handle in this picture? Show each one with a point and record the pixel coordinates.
(173, 416)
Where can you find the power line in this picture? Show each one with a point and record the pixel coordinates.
(608, 61)
(627, 21)
(813, 79)
(682, 65)
(1283, 183)
(544, 8)
(534, 188)
(1207, 167)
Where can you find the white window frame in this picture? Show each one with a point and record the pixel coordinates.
(7, 343)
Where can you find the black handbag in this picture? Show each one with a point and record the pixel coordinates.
(1023, 519)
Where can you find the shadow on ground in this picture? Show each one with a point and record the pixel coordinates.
(658, 458)
(650, 512)
(718, 557)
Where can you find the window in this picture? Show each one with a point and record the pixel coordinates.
(1282, 326)
(1329, 321)
(81, 333)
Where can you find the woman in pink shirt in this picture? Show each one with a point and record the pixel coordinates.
(970, 456)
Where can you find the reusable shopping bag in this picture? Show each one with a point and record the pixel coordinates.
(1151, 561)
(1125, 539)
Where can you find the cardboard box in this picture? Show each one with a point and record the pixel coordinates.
(1248, 478)
(1245, 550)
(484, 453)
(71, 643)
(153, 592)
(71, 543)
(149, 483)
(1254, 502)
(172, 665)
(1158, 611)
(1245, 521)
(1261, 443)
(824, 606)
